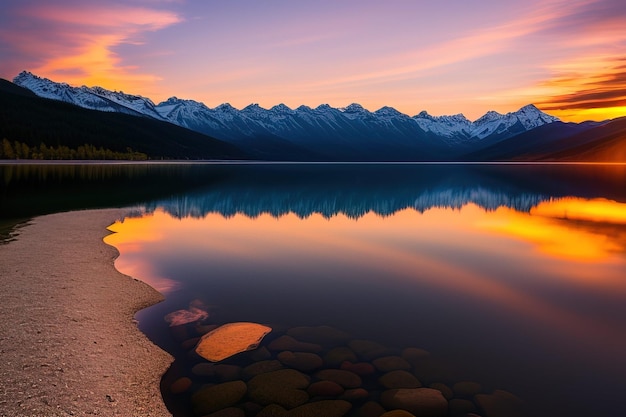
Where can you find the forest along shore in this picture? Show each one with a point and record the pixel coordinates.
(68, 342)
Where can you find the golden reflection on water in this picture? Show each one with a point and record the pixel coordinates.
(503, 257)
(571, 228)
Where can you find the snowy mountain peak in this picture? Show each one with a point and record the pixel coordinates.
(281, 108)
(387, 111)
(353, 108)
(323, 107)
(488, 117)
(96, 98)
(225, 107)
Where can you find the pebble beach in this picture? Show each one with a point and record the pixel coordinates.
(69, 343)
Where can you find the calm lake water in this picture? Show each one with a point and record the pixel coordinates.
(512, 276)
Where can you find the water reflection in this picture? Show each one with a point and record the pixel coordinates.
(515, 282)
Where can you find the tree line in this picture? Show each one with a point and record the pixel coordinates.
(21, 150)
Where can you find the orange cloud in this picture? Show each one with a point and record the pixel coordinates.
(77, 44)
(592, 87)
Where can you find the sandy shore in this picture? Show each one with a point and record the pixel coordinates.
(68, 343)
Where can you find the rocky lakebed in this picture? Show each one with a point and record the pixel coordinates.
(320, 371)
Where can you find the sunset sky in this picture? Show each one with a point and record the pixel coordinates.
(448, 56)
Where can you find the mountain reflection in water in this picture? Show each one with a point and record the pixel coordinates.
(511, 274)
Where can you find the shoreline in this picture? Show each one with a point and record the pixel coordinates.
(68, 340)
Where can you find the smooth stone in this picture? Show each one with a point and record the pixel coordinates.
(228, 412)
(397, 413)
(336, 356)
(180, 385)
(391, 363)
(203, 369)
(359, 368)
(227, 372)
(250, 408)
(181, 317)
(302, 361)
(446, 391)
(466, 389)
(354, 394)
(261, 367)
(413, 354)
(423, 402)
(325, 408)
(272, 410)
(399, 379)
(346, 379)
(214, 398)
(500, 404)
(323, 335)
(230, 339)
(370, 409)
(190, 343)
(286, 342)
(325, 389)
(461, 407)
(284, 387)
(260, 354)
(367, 349)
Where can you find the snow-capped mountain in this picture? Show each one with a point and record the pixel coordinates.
(95, 98)
(349, 133)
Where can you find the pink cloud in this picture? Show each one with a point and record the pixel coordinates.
(77, 44)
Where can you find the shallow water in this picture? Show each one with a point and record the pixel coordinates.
(509, 275)
(512, 276)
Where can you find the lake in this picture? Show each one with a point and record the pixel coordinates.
(510, 276)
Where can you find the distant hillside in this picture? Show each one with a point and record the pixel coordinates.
(583, 142)
(603, 143)
(32, 120)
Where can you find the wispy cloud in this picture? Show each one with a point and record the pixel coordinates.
(76, 43)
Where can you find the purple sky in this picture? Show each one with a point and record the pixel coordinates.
(448, 57)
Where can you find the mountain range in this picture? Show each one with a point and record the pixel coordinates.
(354, 133)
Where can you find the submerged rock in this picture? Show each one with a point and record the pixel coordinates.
(337, 355)
(197, 311)
(261, 367)
(367, 349)
(359, 368)
(346, 379)
(284, 387)
(180, 385)
(326, 408)
(354, 394)
(302, 361)
(325, 389)
(217, 397)
(286, 342)
(272, 410)
(423, 402)
(370, 409)
(391, 363)
(399, 379)
(230, 339)
(397, 413)
(228, 412)
(501, 404)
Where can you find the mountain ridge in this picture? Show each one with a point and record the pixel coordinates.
(353, 133)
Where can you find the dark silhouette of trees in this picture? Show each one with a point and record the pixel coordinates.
(20, 150)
